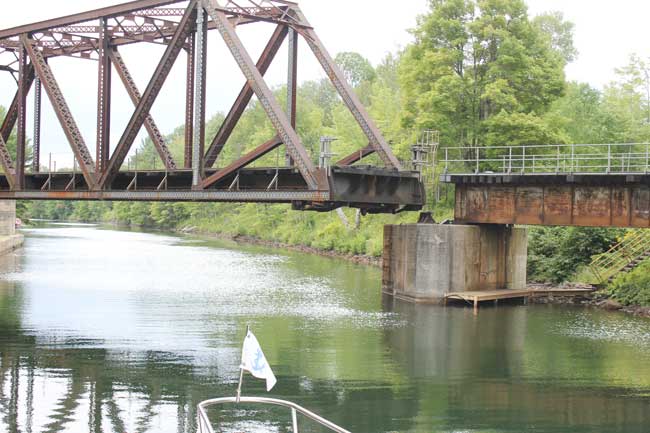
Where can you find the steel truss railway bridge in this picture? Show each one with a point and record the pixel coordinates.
(186, 26)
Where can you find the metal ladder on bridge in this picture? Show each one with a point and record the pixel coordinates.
(623, 257)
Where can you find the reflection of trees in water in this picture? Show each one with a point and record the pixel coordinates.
(92, 375)
(94, 383)
(92, 378)
(99, 383)
(99, 380)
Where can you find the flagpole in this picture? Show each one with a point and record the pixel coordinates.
(241, 370)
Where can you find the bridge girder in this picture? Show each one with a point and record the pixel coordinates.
(584, 200)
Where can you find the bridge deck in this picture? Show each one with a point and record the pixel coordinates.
(371, 189)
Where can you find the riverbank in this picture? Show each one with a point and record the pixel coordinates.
(360, 259)
(598, 299)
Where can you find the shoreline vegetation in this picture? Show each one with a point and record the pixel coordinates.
(360, 259)
(480, 73)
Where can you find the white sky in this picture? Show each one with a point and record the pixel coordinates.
(606, 34)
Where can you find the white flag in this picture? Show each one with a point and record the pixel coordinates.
(254, 361)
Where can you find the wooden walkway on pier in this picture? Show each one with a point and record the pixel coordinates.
(476, 297)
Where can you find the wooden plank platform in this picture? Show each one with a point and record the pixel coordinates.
(488, 295)
(477, 297)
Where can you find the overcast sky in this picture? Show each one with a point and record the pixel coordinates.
(606, 34)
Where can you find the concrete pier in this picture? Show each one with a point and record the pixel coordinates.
(9, 239)
(428, 262)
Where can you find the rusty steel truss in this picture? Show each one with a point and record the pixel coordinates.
(186, 26)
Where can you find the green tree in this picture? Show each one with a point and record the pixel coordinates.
(473, 60)
(357, 69)
(557, 253)
(559, 32)
(583, 116)
(633, 288)
(627, 100)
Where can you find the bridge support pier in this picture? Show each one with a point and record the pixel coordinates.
(9, 239)
(426, 262)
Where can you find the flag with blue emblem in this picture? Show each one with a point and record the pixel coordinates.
(254, 361)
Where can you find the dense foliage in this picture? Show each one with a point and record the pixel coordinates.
(556, 253)
(479, 69)
(633, 288)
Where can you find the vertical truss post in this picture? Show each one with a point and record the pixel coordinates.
(44, 73)
(21, 135)
(273, 110)
(292, 84)
(350, 99)
(103, 98)
(189, 102)
(36, 147)
(199, 95)
(149, 96)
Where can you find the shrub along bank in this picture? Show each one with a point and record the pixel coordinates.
(633, 288)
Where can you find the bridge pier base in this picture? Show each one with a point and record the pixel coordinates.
(426, 262)
(9, 239)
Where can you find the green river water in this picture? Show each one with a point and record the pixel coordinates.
(116, 331)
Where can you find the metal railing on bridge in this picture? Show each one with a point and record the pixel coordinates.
(631, 158)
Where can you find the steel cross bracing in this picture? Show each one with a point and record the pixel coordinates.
(183, 26)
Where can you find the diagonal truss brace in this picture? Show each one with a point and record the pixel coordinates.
(132, 89)
(150, 94)
(244, 97)
(350, 99)
(242, 162)
(44, 73)
(356, 156)
(7, 163)
(273, 110)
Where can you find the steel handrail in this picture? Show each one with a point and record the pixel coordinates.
(626, 244)
(204, 421)
(631, 248)
(547, 159)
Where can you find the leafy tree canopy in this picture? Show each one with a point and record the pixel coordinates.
(357, 69)
(476, 59)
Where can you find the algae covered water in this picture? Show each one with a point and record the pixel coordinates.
(117, 331)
